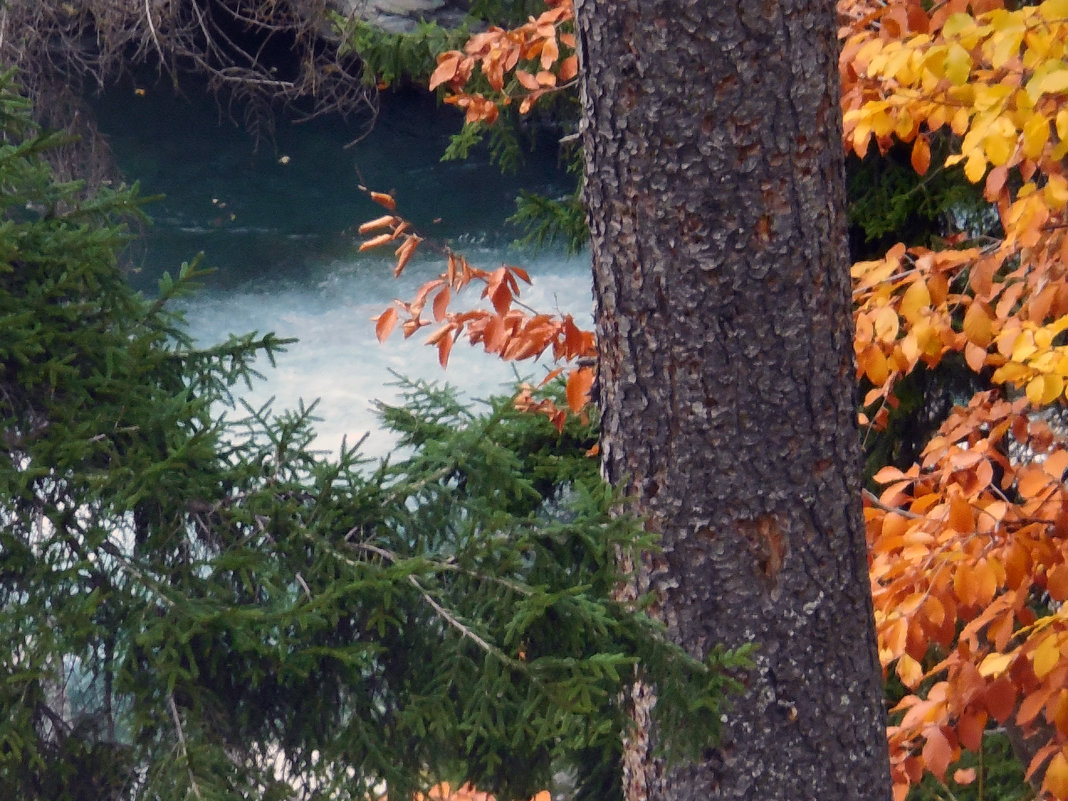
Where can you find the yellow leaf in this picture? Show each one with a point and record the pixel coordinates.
(1035, 135)
(1056, 780)
(986, 96)
(958, 64)
(1046, 656)
(1052, 10)
(999, 149)
(915, 300)
(904, 126)
(1056, 192)
(1044, 389)
(1062, 124)
(1048, 82)
(956, 24)
(975, 168)
(886, 324)
(959, 123)
(909, 671)
(1023, 346)
(995, 664)
(1006, 45)
(882, 123)
(1054, 386)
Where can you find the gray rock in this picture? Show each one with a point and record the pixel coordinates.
(402, 16)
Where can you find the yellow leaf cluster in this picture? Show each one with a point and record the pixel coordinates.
(961, 540)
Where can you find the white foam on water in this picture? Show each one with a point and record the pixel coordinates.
(338, 359)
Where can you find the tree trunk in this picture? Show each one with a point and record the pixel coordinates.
(714, 184)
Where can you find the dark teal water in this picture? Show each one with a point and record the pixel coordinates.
(280, 206)
(277, 223)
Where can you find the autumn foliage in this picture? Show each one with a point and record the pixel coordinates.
(968, 545)
(506, 328)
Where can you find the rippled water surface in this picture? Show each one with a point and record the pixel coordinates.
(276, 221)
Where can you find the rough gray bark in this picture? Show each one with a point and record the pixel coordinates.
(715, 192)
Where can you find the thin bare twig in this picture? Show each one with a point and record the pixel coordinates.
(873, 499)
(182, 744)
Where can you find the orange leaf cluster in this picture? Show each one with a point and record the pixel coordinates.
(521, 64)
(445, 792)
(969, 547)
(965, 547)
(507, 329)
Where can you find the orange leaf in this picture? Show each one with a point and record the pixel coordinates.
(977, 325)
(995, 181)
(441, 304)
(887, 474)
(527, 80)
(1055, 464)
(404, 253)
(380, 222)
(445, 348)
(964, 776)
(549, 53)
(1001, 699)
(1057, 582)
(448, 63)
(937, 752)
(960, 515)
(1032, 705)
(382, 199)
(568, 68)
(375, 242)
(450, 272)
(921, 155)
(579, 383)
(970, 728)
(1031, 481)
(496, 334)
(975, 356)
(501, 298)
(1040, 756)
(550, 376)
(965, 584)
(385, 322)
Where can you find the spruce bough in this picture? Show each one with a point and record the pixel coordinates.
(200, 606)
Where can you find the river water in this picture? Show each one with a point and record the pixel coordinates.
(276, 220)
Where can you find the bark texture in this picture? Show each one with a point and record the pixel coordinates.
(715, 190)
